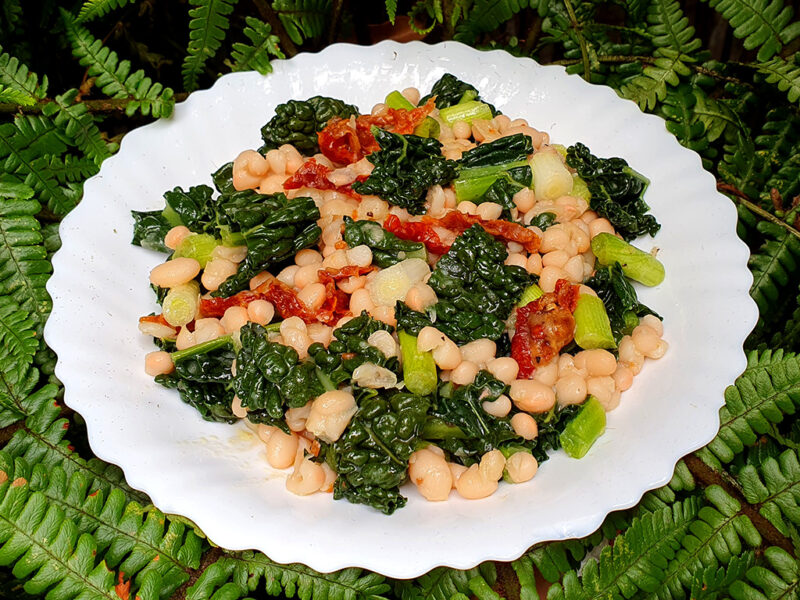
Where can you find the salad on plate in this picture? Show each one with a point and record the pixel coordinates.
(431, 292)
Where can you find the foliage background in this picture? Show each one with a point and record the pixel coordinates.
(76, 76)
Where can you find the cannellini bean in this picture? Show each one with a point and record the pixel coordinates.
(234, 254)
(158, 330)
(307, 478)
(307, 256)
(489, 210)
(330, 479)
(464, 373)
(351, 284)
(248, 170)
(272, 184)
(207, 329)
(296, 417)
(646, 340)
(360, 301)
(504, 368)
(281, 449)
(600, 226)
(492, 464)
(570, 389)
(384, 314)
(298, 340)
(554, 238)
(531, 396)
(534, 264)
(337, 260)
(370, 375)
(547, 374)
(524, 200)
(260, 279)
(435, 200)
(185, 339)
(555, 258)
(383, 341)
(234, 318)
(286, 276)
(601, 388)
(660, 350)
(499, 407)
(447, 356)
(217, 270)
(479, 352)
(306, 275)
(373, 208)
(480, 481)
(158, 363)
(420, 297)
(174, 272)
(175, 236)
(516, 259)
(237, 409)
(549, 277)
(277, 161)
(313, 295)
(598, 362)
(654, 323)
(264, 432)
(431, 474)
(330, 414)
(623, 378)
(462, 130)
(411, 94)
(430, 338)
(574, 269)
(525, 426)
(456, 470)
(360, 256)
(521, 467)
(260, 311)
(467, 207)
(320, 333)
(629, 355)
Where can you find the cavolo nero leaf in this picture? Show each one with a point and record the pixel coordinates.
(405, 167)
(387, 248)
(501, 151)
(372, 455)
(149, 229)
(616, 191)
(297, 122)
(450, 90)
(619, 297)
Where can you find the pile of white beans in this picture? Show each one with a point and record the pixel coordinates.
(564, 253)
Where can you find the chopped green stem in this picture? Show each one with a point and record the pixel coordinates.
(273, 327)
(473, 183)
(466, 111)
(584, 429)
(419, 368)
(592, 325)
(201, 348)
(326, 381)
(531, 293)
(396, 100)
(637, 264)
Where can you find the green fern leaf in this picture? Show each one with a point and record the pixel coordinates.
(18, 393)
(715, 538)
(303, 19)
(763, 24)
(94, 9)
(391, 10)
(651, 87)
(781, 581)
(788, 334)
(206, 31)
(767, 390)
(442, 583)
(742, 165)
(636, 561)
(232, 576)
(775, 487)
(488, 15)
(17, 333)
(773, 266)
(79, 126)
(46, 549)
(678, 110)
(785, 179)
(256, 55)
(718, 118)
(714, 581)
(114, 77)
(24, 268)
(784, 75)
(71, 168)
(553, 559)
(682, 481)
(16, 76)
(12, 96)
(670, 28)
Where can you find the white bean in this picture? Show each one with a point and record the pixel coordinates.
(431, 474)
(330, 414)
(174, 272)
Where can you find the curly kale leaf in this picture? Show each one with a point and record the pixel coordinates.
(505, 186)
(616, 191)
(410, 320)
(279, 235)
(450, 90)
(204, 381)
(371, 457)
(619, 297)
(501, 151)
(297, 122)
(271, 378)
(194, 208)
(551, 425)
(149, 229)
(476, 290)
(405, 167)
(387, 248)
(223, 179)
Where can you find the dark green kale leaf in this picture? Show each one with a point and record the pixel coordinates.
(544, 220)
(371, 457)
(450, 90)
(551, 424)
(387, 248)
(505, 186)
(194, 208)
(616, 191)
(410, 320)
(271, 378)
(476, 291)
(619, 297)
(405, 167)
(297, 122)
(149, 229)
(504, 150)
(223, 179)
(350, 344)
(205, 382)
(279, 235)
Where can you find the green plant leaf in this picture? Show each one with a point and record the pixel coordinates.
(207, 29)
(94, 9)
(256, 55)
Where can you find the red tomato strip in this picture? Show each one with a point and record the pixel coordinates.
(314, 175)
(416, 231)
(544, 327)
(506, 230)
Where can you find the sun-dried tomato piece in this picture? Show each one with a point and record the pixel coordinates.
(416, 231)
(216, 307)
(315, 175)
(506, 230)
(543, 327)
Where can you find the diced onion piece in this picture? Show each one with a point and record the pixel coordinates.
(392, 284)
(551, 179)
(592, 326)
(181, 303)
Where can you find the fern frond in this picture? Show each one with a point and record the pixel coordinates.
(12, 96)
(207, 29)
(670, 28)
(742, 165)
(682, 481)
(718, 118)
(303, 19)
(233, 576)
(713, 581)
(782, 74)
(488, 15)
(18, 393)
(442, 583)
(46, 549)
(763, 24)
(650, 87)
(94, 9)
(636, 560)
(17, 334)
(781, 581)
(114, 77)
(553, 559)
(256, 55)
(71, 168)
(716, 537)
(391, 10)
(788, 334)
(773, 266)
(15, 75)
(775, 487)
(79, 126)
(24, 268)
(678, 110)
(768, 389)
(785, 179)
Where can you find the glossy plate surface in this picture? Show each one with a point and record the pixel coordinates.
(216, 475)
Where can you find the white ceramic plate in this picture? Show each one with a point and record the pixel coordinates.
(215, 474)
